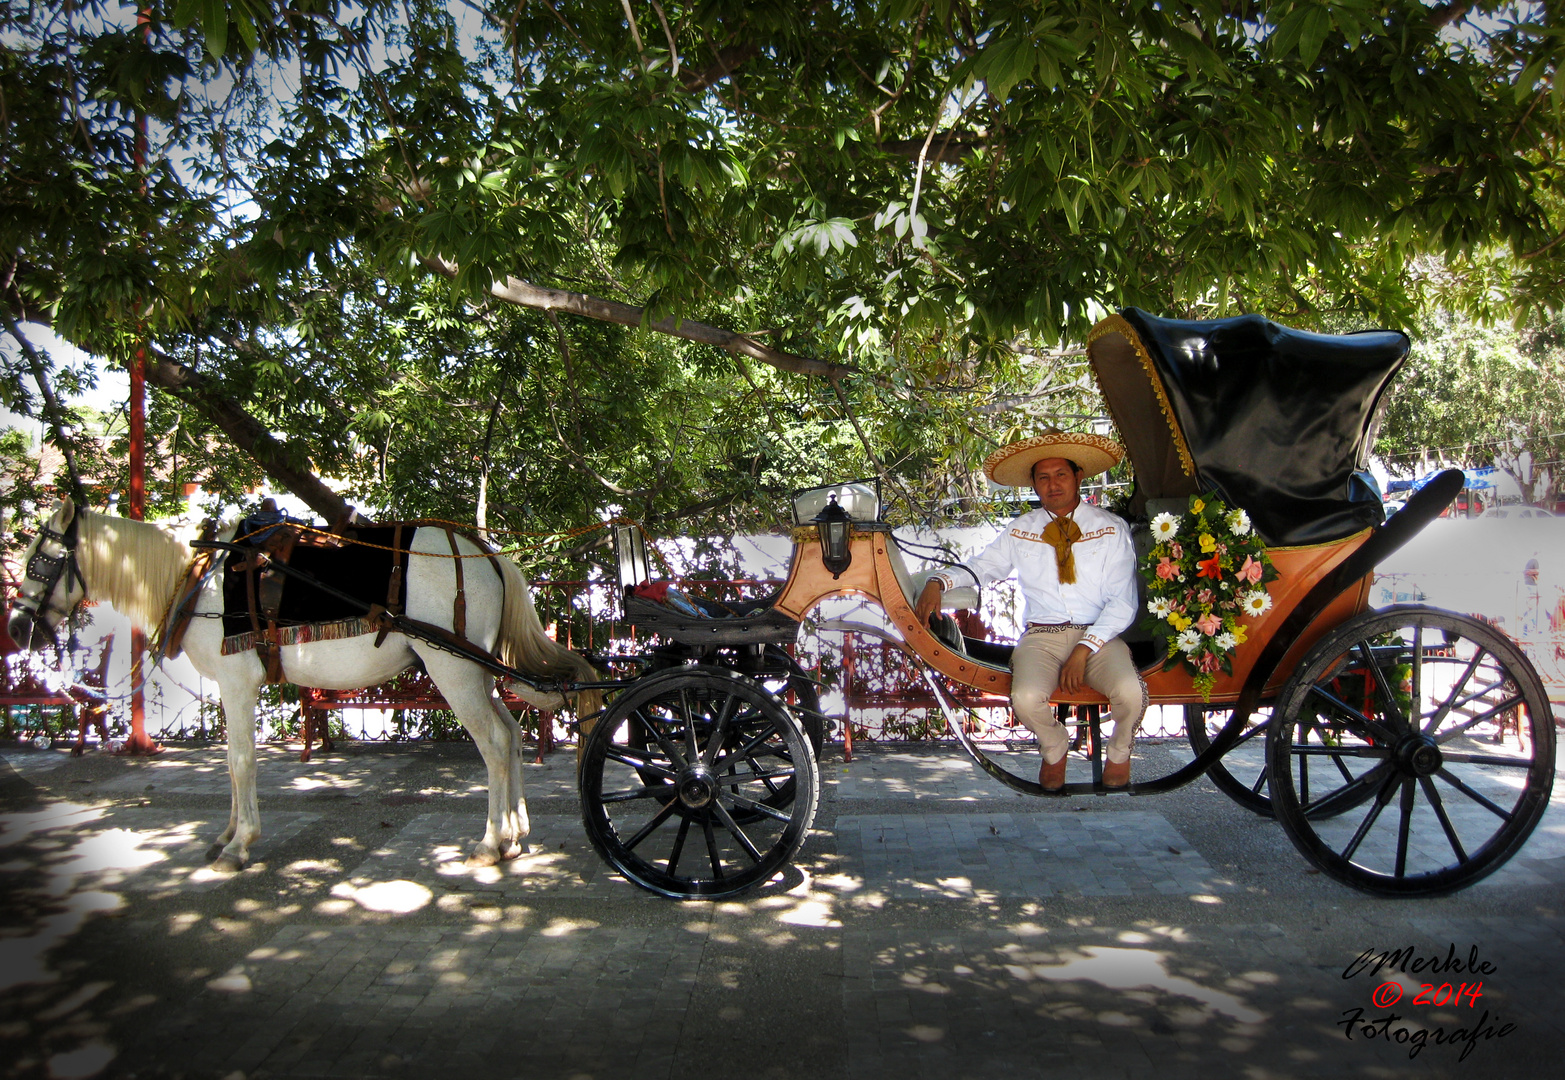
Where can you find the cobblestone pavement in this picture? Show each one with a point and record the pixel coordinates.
(935, 925)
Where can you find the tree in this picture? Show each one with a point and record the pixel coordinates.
(867, 206)
(1475, 396)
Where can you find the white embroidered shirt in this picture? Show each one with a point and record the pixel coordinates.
(1103, 596)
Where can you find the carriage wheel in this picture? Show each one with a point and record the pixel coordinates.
(1241, 773)
(784, 682)
(679, 777)
(1398, 710)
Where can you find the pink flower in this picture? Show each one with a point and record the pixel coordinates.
(1166, 569)
(1208, 663)
(1250, 571)
(1204, 596)
(1179, 552)
(1209, 623)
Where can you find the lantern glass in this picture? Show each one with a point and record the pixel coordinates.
(834, 526)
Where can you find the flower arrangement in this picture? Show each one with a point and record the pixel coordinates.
(1206, 573)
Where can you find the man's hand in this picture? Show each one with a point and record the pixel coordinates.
(1074, 673)
(928, 601)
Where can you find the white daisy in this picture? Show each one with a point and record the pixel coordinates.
(1239, 522)
(1226, 641)
(1256, 602)
(1164, 527)
(1159, 606)
(1188, 641)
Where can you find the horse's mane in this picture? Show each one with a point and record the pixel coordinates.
(131, 565)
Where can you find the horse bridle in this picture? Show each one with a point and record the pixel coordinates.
(47, 570)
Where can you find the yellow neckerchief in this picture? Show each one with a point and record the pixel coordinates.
(1060, 534)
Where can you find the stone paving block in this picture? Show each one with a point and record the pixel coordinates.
(1023, 855)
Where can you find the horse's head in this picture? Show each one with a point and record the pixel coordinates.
(52, 583)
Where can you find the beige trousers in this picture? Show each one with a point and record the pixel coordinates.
(1035, 672)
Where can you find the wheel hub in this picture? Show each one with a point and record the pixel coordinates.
(697, 786)
(1420, 756)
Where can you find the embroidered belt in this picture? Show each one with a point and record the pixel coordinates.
(1055, 628)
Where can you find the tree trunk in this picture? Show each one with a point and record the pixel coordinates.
(247, 433)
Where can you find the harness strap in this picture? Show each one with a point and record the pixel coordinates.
(459, 603)
(189, 593)
(394, 589)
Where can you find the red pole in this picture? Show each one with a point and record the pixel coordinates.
(139, 743)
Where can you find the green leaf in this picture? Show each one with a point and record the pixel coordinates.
(1004, 63)
(214, 25)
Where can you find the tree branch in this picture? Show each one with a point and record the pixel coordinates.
(247, 433)
(525, 294)
(727, 60)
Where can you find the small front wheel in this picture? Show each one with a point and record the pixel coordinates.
(682, 784)
(1241, 772)
(1384, 763)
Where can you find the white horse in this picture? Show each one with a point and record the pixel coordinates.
(136, 568)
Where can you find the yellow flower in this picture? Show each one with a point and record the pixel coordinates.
(1178, 621)
(1239, 632)
(1196, 506)
(1208, 543)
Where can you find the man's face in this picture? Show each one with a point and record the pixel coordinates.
(1058, 485)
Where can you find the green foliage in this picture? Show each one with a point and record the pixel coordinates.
(1474, 395)
(933, 193)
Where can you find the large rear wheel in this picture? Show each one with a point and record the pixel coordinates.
(1394, 716)
(698, 783)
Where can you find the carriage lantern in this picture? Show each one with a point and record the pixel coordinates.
(834, 526)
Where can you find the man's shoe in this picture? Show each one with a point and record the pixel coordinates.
(1116, 774)
(1052, 777)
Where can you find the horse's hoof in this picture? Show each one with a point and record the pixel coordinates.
(512, 852)
(214, 851)
(481, 856)
(227, 864)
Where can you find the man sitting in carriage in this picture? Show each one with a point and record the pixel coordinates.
(1077, 570)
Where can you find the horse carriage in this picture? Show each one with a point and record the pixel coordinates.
(1407, 751)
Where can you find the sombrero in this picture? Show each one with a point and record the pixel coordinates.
(1012, 465)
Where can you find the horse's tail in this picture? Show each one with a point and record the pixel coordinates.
(523, 643)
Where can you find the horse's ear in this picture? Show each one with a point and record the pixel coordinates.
(67, 510)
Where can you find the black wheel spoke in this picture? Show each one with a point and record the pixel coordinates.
(1345, 797)
(651, 826)
(1462, 757)
(738, 834)
(1477, 796)
(662, 791)
(679, 845)
(711, 847)
(1450, 703)
(1381, 798)
(1376, 753)
(747, 749)
(760, 808)
(1368, 729)
(1260, 781)
(720, 729)
(664, 742)
(1433, 795)
(1405, 825)
(1416, 702)
(640, 764)
(1383, 690)
(1508, 703)
(692, 751)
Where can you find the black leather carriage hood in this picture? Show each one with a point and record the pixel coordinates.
(1276, 420)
